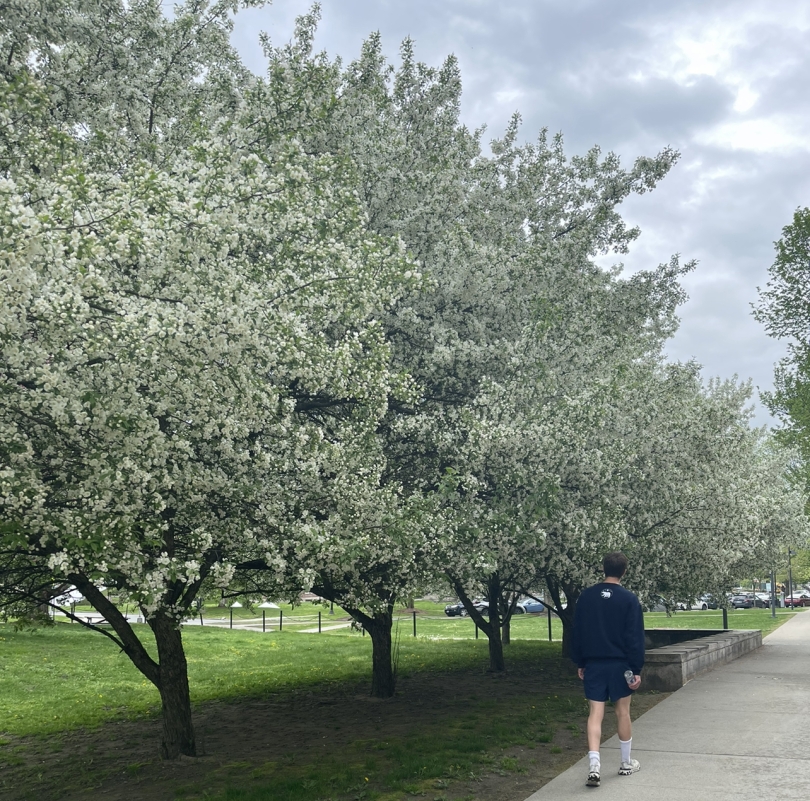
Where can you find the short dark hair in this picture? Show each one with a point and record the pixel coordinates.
(614, 564)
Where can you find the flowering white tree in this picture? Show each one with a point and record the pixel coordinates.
(190, 363)
(673, 474)
(514, 305)
(721, 508)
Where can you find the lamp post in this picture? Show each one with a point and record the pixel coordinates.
(773, 593)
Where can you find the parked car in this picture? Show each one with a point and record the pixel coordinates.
(742, 602)
(750, 600)
(532, 607)
(483, 608)
(455, 610)
(765, 597)
(797, 599)
(458, 610)
(705, 602)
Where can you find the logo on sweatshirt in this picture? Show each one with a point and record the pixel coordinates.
(607, 593)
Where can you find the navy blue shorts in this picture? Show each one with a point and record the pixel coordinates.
(604, 678)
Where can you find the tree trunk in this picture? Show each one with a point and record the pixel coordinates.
(383, 678)
(492, 627)
(496, 660)
(506, 631)
(178, 729)
(383, 671)
(566, 615)
(169, 674)
(567, 631)
(378, 625)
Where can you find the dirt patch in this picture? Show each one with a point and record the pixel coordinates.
(241, 744)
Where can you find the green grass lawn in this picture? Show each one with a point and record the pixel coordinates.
(535, 627)
(450, 723)
(422, 762)
(713, 619)
(65, 677)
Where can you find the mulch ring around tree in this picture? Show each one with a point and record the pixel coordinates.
(451, 736)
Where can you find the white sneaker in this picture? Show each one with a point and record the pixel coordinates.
(627, 768)
(594, 779)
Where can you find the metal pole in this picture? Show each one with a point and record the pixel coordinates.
(414, 622)
(725, 619)
(231, 617)
(773, 594)
(331, 607)
(280, 613)
(264, 624)
(319, 622)
(201, 619)
(548, 612)
(476, 629)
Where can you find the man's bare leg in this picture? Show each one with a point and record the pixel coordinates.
(595, 717)
(624, 724)
(625, 730)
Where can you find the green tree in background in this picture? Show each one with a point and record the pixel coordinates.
(784, 310)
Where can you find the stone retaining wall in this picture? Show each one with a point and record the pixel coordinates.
(669, 667)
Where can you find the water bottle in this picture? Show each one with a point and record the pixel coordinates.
(629, 676)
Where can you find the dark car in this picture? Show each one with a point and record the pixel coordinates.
(757, 601)
(458, 610)
(455, 610)
(742, 602)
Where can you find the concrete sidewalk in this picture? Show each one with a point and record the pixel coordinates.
(741, 732)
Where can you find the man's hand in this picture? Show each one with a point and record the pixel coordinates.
(581, 673)
(636, 682)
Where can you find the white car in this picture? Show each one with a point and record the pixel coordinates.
(704, 602)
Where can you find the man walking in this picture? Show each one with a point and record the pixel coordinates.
(608, 648)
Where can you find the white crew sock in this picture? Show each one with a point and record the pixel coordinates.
(625, 746)
(594, 763)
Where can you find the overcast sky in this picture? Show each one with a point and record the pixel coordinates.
(726, 83)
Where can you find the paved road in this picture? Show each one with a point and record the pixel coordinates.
(740, 732)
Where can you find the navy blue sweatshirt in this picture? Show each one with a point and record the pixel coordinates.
(608, 624)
